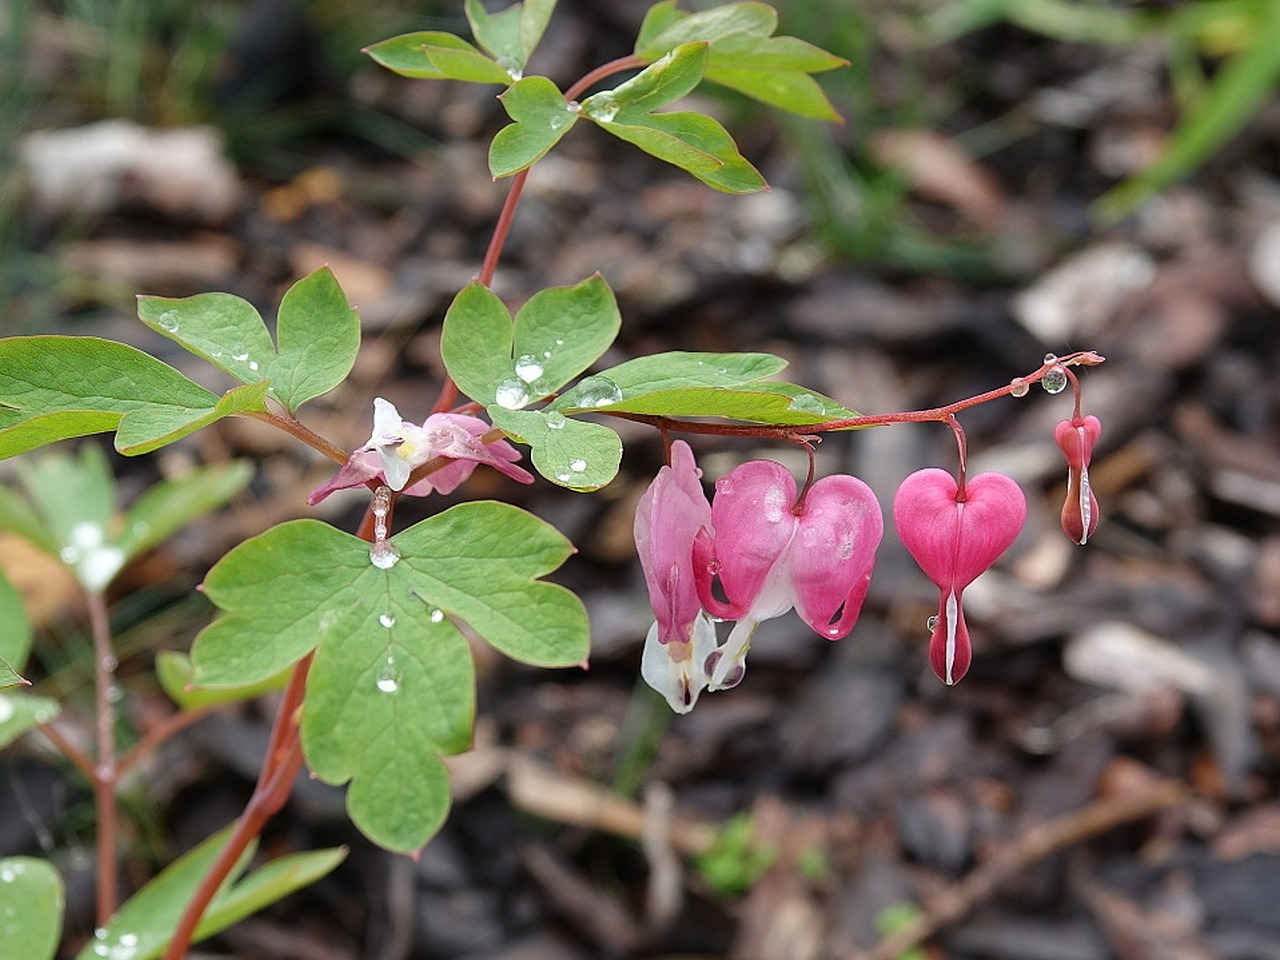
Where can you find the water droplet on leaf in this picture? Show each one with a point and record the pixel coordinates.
(1018, 387)
(603, 109)
(437, 616)
(807, 403)
(384, 555)
(578, 465)
(388, 620)
(511, 393)
(1055, 380)
(528, 367)
(597, 391)
(168, 321)
(388, 678)
(555, 420)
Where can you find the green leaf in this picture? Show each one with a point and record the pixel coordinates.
(15, 632)
(70, 492)
(170, 505)
(142, 927)
(534, 17)
(55, 387)
(745, 56)
(32, 898)
(555, 335)
(17, 516)
(391, 686)
(777, 404)
(20, 712)
(318, 335)
(542, 116)
(1238, 89)
(666, 371)
(499, 35)
(8, 676)
(580, 456)
(178, 677)
(786, 89)
(221, 329)
(666, 81)
(692, 141)
(432, 55)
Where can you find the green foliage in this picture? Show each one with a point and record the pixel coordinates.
(317, 334)
(744, 55)
(736, 859)
(657, 372)
(9, 677)
(15, 632)
(177, 678)
(512, 35)
(31, 924)
(570, 453)
(392, 686)
(896, 917)
(142, 927)
(542, 116)
(431, 55)
(692, 141)
(54, 388)
(20, 712)
(556, 335)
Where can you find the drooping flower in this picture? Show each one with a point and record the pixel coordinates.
(668, 517)
(397, 446)
(1076, 438)
(954, 537)
(772, 553)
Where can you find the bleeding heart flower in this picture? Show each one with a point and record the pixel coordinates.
(397, 446)
(771, 554)
(668, 517)
(1076, 438)
(955, 536)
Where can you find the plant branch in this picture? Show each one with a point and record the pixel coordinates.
(171, 725)
(104, 769)
(304, 433)
(78, 758)
(280, 766)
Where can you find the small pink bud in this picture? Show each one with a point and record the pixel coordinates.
(954, 538)
(1076, 439)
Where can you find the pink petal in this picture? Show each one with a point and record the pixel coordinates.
(950, 650)
(991, 520)
(361, 466)
(833, 553)
(668, 517)
(1077, 440)
(753, 525)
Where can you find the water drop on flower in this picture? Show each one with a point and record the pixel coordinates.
(511, 393)
(1050, 358)
(597, 391)
(931, 624)
(1055, 380)
(528, 367)
(388, 678)
(384, 555)
(555, 420)
(388, 620)
(578, 465)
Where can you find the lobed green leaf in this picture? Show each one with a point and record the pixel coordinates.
(668, 79)
(433, 55)
(9, 677)
(694, 142)
(177, 678)
(32, 894)
(542, 116)
(776, 404)
(574, 454)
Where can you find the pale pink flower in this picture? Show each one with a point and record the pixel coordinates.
(1076, 439)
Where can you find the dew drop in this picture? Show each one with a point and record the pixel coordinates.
(528, 367)
(240, 357)
(388, 678)
(7, 875)
(1018, 387)
(384, 555)
(559, 342)
(564, 477)
(437, 615)
(602, 108)
(253, 365)
(578, 465)
(388, 620)
(546, 354)
(1050, 358)
(931, 624)
(168, 321)
(597, 391)
(555, 420)
(511, 394)
(1055, 380)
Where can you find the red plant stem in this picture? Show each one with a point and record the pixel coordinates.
(104, 768)
(304, 433)
(280, 766)
(79, 759)
(171, 725)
